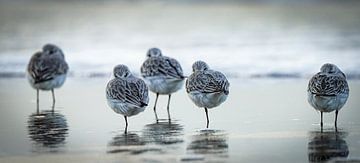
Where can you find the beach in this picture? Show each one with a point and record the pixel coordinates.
(262, 121)
(268, 50)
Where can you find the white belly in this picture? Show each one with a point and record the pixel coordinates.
(164, 85)
(207, 100)
(57, 82)
(327, 103)
(123, 108)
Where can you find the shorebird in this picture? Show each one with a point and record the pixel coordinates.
(207, 88)
(328, 90)
(163, 75)
(47, 70)
(126, 94)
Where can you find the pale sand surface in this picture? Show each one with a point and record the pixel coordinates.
(262, 120)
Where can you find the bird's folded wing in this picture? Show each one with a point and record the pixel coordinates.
(327, 85)
(174, 68)
(133, 91)
(207, 82)
(164, 66)
(42, 69)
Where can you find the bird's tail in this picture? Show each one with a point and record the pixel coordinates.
(143, 104)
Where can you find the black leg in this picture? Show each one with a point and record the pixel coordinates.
(207, 118)
(168, 107)
(53, 95)
(126, 126)
(321, 123)
(336, 115)
(37, 101)
(157, 96)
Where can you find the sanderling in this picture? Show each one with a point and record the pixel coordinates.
(47, 70)
(126, 94)
(162, 74)
(328, 90)
(206, 88)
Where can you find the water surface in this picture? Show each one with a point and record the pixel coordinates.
(261, 121)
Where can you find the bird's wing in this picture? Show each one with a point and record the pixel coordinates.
(174, 68)
(143, 91)
(42, 69)
(132, 91)
(222, 81)
(327, 85)
(163, 66)
(207, 82)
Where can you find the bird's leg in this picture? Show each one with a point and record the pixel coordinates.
(37, 101)
(126, 124)
(53, 96)
(207, 118)
(336, 115)
(157, 96)
(321, 122)
(168, 108)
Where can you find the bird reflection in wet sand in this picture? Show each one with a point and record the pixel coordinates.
(48, 131)
(125, 143)
(164, 132)
(325, 146)
(130, 143)
(212, 143)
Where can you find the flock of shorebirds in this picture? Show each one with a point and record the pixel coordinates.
(128, 95)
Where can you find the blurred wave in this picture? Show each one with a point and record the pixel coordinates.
(258, 39)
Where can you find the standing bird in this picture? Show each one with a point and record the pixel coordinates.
(126, 94)
(328, 90)
(47, 70)
(162, 74)
(207, 88)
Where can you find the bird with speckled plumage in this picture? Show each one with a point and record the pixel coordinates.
(328, 90)
(207, 88)
(47, 70)
(163, 75)
(126, 94)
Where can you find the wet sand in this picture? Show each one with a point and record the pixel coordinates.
(263, 120)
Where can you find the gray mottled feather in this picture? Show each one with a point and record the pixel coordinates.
(328, 85)
(162, 66)
(207, 81)
(46, 67)
(128, 90)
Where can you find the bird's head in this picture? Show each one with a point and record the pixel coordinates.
(331, 69)
(51, 49)
(200, 66)
(154, 52)
(121, 71)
